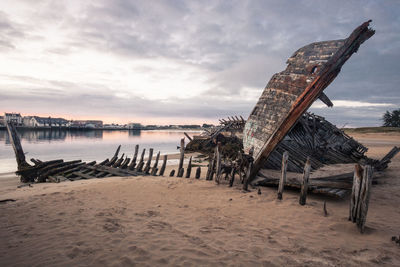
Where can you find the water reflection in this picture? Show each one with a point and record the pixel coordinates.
(85, 145)
(46, 135)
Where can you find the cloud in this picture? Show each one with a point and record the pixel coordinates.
(186, 59)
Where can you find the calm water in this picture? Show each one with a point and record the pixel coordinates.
(85, 145)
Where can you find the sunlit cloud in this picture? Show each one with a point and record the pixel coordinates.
(351, 104)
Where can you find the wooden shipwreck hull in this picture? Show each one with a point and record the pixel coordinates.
(291, 92)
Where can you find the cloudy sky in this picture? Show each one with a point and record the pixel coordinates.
(186, 61)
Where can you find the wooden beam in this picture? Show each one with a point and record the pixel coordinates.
(155, 169)
(16, 144)
(325, 99)
(148, 163)
(182, 154)
(190, 138)
(282, 181)
(304, 185)
(164, 165)
(133, 162)
(189, 168)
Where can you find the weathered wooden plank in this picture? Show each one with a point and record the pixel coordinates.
(355, 192)
(325, 99)
(83, 175)
(189, 168)
(218, 163)
(125, 163)
(190, 138)
(155, 166)
(163, 166)
(118, 162)
(148, 163)
(180, 172)
(16, 144)
(282, 181)
(182, 154)
(198, 172)
(114, 171)
(133, 162)
(365, 194)
(304, 185)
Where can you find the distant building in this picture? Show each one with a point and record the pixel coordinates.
(2, 121)
(36, 121)
(13, 117)
(87, 124)
(134, 126)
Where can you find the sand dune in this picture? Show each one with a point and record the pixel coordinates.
(151, 221)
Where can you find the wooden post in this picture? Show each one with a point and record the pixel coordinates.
(142, 156)
(140, 166)
(133, 162)
(198, 172)
(218, 166)
(365, 193)
(233, 172)
(154, 170)
(16, 144)
(117, 152)
(304, 185)
(148, 163)
(189, 168)
(213, 163)
(282, 181)
(180, 173)
(172, 173)
(118, 162)
(182, 155)
(125, 164)
(210, 167)
(247, 178)
(250, 161)
(355, 192)
(164, 165)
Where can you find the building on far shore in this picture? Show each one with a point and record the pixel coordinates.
(36, 121)
(134, 126)
(13, 117)
(2, 121)
(92, 124)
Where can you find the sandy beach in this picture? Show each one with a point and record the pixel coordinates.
(153, 221)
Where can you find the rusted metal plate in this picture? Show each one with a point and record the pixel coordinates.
(291, 92)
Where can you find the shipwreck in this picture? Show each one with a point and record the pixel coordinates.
(278, 135)
(280, 123)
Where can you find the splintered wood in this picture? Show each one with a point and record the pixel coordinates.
(360, 196)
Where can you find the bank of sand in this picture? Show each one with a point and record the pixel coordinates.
(176, 221)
